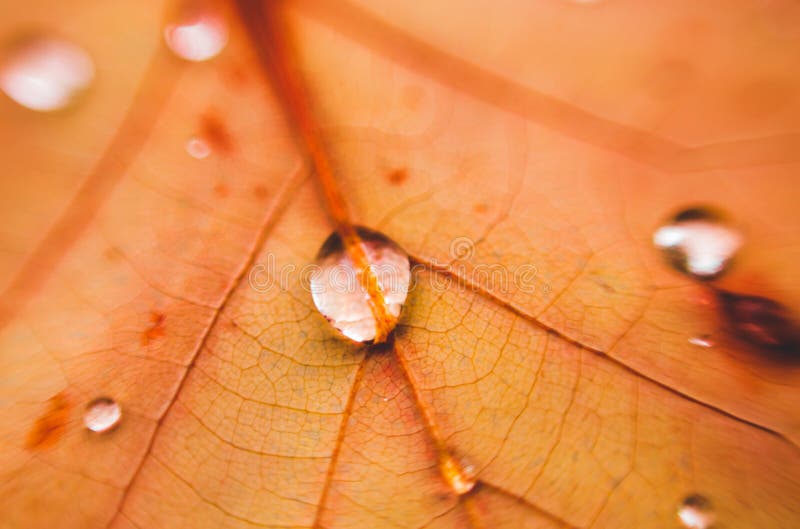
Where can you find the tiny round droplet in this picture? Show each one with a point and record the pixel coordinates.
(701, 340)
(102, 414)
(698, 242)
(338, 291)
(197, 148)
(696, 512)
(460, 479)
(45, 73)
(199, 34)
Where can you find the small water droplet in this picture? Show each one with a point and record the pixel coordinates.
(45, 73)
(696, 512)
(698, 242)
(338, 292)
(198, 34)
(461, 480)
(197, 148)
(102, 414)
(701, 340)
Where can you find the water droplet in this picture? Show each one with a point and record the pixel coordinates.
(461, 480)
(197, 148)
(338, 292)
(699, 242)
(45, 73)
(198, 34)
(696, 512)
(759, 320)
(102, 414)
(701, 340)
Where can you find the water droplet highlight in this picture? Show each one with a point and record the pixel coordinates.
(199, 34)
(461, 480)
(696, 512)
(45, 73)
(338, 292)
(701, 340)
(197, 148)
(102, 414)
(698, 242)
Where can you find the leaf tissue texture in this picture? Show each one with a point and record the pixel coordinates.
(555, 135)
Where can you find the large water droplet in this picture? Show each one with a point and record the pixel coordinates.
(696, 512)
(461, 479)
(337, 286)
(45, 73)
(102, 414)
(198, 34)
(699, 242)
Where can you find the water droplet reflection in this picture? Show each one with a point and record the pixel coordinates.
(702, 340)
(102, 415)
(698, 242)
(696, 512)
(45, 73)
(338, 292)
(199, 34)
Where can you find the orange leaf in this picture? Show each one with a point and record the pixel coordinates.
(156, 231)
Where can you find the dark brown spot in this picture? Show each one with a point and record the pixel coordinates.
(156, 329)
(221, 190)
(214, 131)
(50, 427)
(760, 321)
(398, 176)
(260, 192)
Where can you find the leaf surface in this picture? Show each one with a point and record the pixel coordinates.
(556, 135)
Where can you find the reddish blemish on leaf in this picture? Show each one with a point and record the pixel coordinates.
(398, 176)
(50, 426)
(260, 192)
(156, 329)
(480, 208)
(238, 76)
(221, 190)
(214, 131)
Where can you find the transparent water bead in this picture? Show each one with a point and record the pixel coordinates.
(45, 73)
(698, 242)
(460, 479)
(198, 34)
(339, 294)
(695, 512)
(102, 414)
(197, 148)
